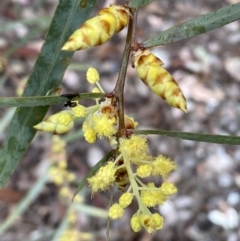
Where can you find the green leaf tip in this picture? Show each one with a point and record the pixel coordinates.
(196, 26)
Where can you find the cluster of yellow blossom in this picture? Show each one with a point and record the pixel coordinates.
(71, 233)
(133, 155)
(58, 172)
(101, 123)
(100, 120)
(62, 177)
(131, 165)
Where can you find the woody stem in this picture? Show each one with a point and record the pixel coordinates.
(119, 88)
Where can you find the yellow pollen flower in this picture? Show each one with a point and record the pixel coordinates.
(70, 235)
(104, 126)
(135, 223)
(58, 144)
(58, 180)
(90, 136)
(70, 177)
(126, 199)
(104, 178)
(62, 164)
(153, 196)
(168, 189)
(116, 211)
(92, 75)
(65, 192)
(88, 133)
(134, 148)
(57, 175)
(144, 170)
(163, 166)
(72, 217)
(151, 222)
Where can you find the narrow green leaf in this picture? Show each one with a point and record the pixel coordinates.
(139, 3)
(200, 137)
(47, 74)
(93, 171)
(62, 227)
(196, 26)
(90, 210)
(44, 100)
(24, 203)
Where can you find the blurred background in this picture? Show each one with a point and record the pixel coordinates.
(36, 202)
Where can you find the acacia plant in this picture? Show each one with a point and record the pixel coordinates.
(129, 162)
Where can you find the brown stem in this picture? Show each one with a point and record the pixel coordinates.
(119, 88)
(134, 39)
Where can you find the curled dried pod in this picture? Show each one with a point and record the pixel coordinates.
(150, 71)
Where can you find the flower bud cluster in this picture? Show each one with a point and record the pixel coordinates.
(72, 233)
(116, 210)
(128, 169)
(58, 123)
(58, 173)
(62, 178)
(134, 156)
(100, 120)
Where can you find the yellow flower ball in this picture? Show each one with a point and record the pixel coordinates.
(135, 223)
(144, 170)
(116, 211)
(92, 75)
(135, 148)
(104, 178)
(125, 199)
(104, 126)
(151, 222)
(163, 166)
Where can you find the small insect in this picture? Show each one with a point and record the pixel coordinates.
(69, 103)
